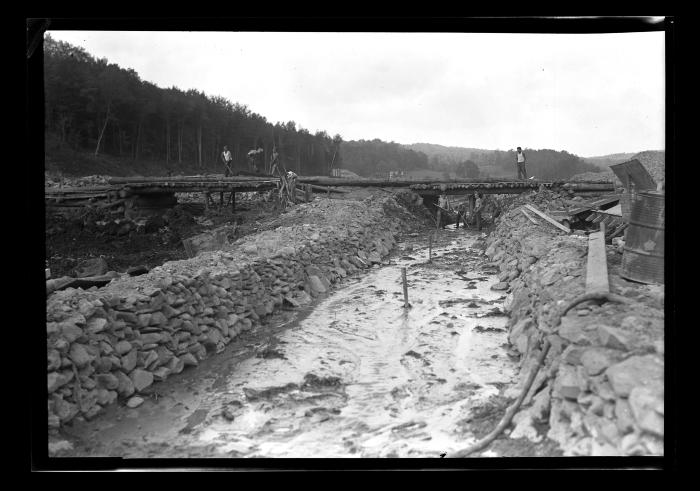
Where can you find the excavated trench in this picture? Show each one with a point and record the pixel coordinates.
(352, 375)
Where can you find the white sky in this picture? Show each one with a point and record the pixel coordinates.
(589, 94)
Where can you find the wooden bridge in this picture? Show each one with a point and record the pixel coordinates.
(157, 192)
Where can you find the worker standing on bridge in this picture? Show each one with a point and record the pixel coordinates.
(227, 159)
(274, 162)
(520, 156)
(228, 171)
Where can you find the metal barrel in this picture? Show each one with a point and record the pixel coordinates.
(643, 256)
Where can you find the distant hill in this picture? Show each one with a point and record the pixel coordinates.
(457, 154)
(541, 163)
(608, 160)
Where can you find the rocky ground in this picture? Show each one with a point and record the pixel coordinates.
(601, 391)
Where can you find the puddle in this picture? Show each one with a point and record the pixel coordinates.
(357, 376)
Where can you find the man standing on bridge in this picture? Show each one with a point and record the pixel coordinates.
(228, 161)
(522, 174)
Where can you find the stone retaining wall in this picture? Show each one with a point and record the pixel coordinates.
(113, 343)
(601, 389)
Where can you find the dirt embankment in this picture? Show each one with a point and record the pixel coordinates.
(73, 238)
(601, 390)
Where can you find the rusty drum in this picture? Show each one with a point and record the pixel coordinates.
(643, 256)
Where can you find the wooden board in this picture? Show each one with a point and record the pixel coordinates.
(529, 216)
(597, 267)
(549, 219)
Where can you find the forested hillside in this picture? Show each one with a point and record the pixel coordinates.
(98, 107)
(376, 157)
(543, 164)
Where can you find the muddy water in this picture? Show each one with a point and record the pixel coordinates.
(358, 375)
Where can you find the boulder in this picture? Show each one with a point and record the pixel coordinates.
(105, 396)
(64, 410)
(96, 324)
(107, 381)
(189, 360)
(150, 338)
(102, 364)
(126, 386)
(55, 381)
(572, 330)
(176, 365)
(141, 379)
(316, 285)
(647, 407)
(572, 354)
(79, 355)
(123, 347)
(569, 383)
(53, 360)
(161, 373)
(129, 360)
(612, 337)
(71, 332)
(134, 402)
(595, 360)
(636, 371)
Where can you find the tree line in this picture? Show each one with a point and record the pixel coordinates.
(94, 105)
(543, 164)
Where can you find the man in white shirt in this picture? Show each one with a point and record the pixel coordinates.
(522, 174)
(442, 211)
(227, 159)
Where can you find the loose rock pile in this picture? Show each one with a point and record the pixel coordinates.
(113, 343)
(601, 389)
